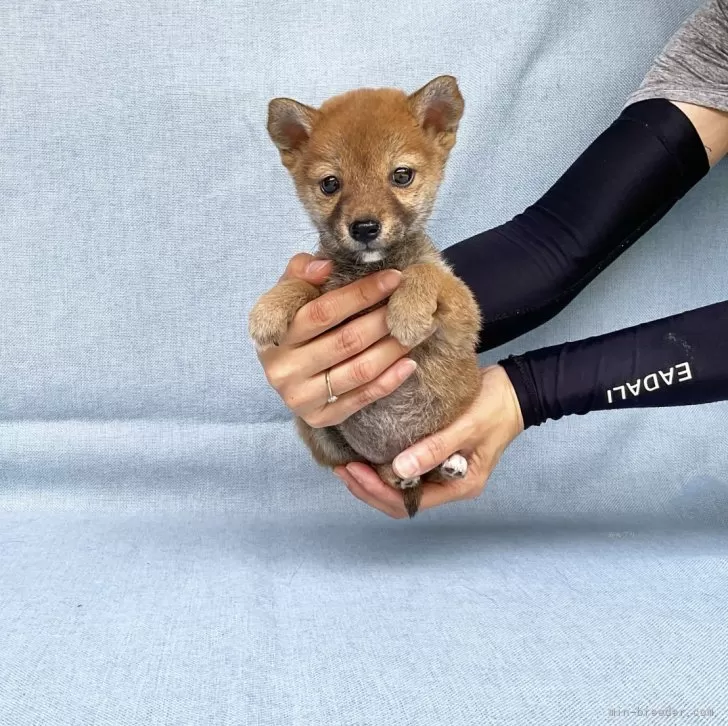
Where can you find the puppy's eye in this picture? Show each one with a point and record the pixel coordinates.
(402, 176)
(330, 185)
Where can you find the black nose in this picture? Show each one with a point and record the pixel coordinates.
(364, 230)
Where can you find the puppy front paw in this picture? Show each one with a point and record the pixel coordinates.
(410, 330)
(408, 324)
(411, 310)
(271, 316)
(267, 324)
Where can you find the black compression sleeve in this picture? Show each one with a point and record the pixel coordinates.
(527, 270)
(676, 361)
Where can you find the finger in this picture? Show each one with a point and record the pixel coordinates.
(341, 344)
(435, 494)
(309, 366)
(305, 365)
(367, 366)
(354, 354)
(364, 483)
(307, 267)
(332, 414)
(355, 488)
(362, 496)
(334, 307)
(429, 453)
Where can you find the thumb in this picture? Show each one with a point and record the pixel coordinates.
(432, 451)
(308, 268)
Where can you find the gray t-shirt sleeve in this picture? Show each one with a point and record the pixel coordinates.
(693, 66)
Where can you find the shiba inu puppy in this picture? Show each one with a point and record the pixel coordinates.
(367, 165)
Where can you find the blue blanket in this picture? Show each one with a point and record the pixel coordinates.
(169, 553)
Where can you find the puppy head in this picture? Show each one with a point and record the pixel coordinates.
(368, 163)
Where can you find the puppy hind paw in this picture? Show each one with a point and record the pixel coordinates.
(454, 467)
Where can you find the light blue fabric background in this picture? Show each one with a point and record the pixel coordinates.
(169, 554)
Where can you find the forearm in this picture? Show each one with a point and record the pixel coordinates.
(676, 361)
(526, 271)
(674, 125)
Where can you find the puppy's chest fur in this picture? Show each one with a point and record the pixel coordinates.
(417, 408)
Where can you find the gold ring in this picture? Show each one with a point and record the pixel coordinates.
(332, 398)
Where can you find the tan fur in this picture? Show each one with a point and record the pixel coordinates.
(361, 137)
(271, 316)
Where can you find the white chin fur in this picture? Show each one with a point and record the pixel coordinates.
(372, 256)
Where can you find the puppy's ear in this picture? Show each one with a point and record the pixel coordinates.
(438, 106)
(289, 125)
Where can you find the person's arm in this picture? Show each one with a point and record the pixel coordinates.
(526, 271)
(673, 128)
(676, 361)
(682, 359)
(679, 360)
(675, 125)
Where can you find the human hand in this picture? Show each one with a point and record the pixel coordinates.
(365, 362)
(482, 434)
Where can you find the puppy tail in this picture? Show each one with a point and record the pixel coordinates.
(412, 499)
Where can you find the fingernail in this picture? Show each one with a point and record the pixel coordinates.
(406, 368)
(405, 465)
(317, 266)
(388, 280)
